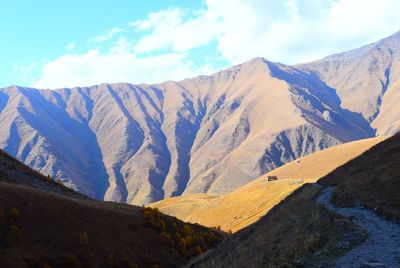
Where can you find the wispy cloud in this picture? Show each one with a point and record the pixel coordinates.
(25, 72)
(107, 36)
(94, 67)
(70, 46)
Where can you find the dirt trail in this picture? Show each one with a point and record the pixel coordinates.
(382, 248)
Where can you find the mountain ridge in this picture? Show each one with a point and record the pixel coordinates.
(208, 134)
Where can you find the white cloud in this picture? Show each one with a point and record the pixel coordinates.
(107, 36)
(170, 29)
(70, 46)
(289, 31)
(121, 45)
(94, 68)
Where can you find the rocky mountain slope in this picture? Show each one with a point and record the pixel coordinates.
(367, 81)
(44, 224)
(209, 134)
(246, 205)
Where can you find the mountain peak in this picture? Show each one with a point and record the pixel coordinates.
(261, 60)
(397, 34)
(257, 60)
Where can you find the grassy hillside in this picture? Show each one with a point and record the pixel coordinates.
(249, 203)
(373, 179)
(43, 224)
(300, 233)
(288, 236)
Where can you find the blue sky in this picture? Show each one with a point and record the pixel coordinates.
(50, 44)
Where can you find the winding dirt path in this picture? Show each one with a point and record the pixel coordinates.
(382, 248)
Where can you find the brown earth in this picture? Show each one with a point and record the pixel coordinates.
(44, 224)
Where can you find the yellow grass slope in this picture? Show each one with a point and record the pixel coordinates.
(247, 204)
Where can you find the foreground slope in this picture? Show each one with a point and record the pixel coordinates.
(247, 204)
(209, 134)
(306, 230)
(44, 223)
(14, 172)
(287, 236)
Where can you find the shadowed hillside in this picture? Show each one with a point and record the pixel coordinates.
(44, 224)
(15, 172)
(305, 230)
(373, 179)
(287, 236)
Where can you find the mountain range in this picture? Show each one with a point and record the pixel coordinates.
(208, 134)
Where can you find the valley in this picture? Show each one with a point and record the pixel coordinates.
(204, 135)
(200, 134)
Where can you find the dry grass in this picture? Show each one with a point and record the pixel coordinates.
(299, 233)
(287, 236)
(249, 203)
(40, 228)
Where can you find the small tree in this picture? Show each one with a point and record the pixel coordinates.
(198, 250)
(14, 214)
(84, 239)
(187, 231)
(182, 247)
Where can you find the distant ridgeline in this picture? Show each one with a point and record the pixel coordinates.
(208, 134)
